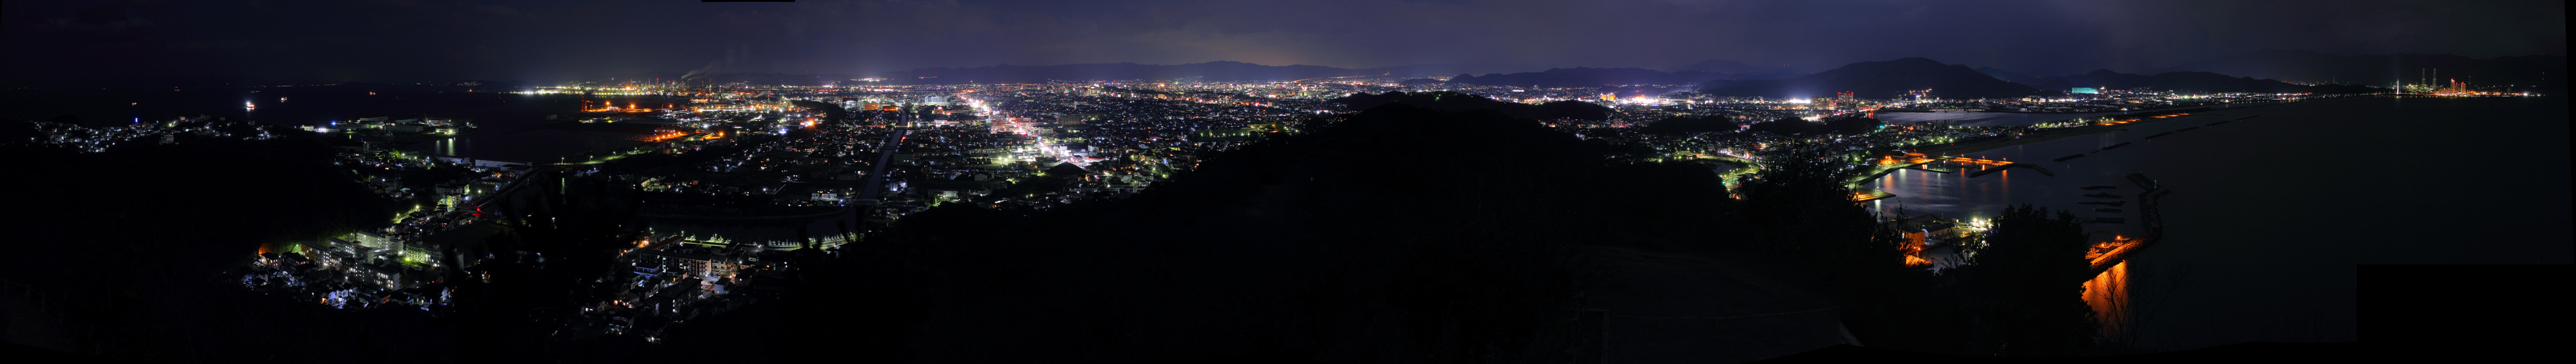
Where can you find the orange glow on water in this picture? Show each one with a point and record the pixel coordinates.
(1914, 261)
(1914, 249)
(2108, 293)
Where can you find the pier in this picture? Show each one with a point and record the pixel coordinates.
(1929, 163)
(2149, 218)
(2042, 170)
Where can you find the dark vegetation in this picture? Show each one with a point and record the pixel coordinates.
(1795, 126)
(132, 243)
(1798, 208)
(2025, 298)
(1692, 124)
(1292, 245)
(1312, 246)
(1301, 247)
(1853, 125)
(540, 268)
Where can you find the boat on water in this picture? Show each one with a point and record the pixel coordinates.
(2100, 187)
(2102, 195)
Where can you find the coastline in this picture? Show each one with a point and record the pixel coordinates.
(2052, 135)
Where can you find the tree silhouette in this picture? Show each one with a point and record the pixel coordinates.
(2027, 286)
(557, 240)
(1857, 125)
(1691, 124)
(1569, 109)
(1788, 126)
(1802, 209)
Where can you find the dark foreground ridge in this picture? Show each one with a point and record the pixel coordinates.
(1319, 247)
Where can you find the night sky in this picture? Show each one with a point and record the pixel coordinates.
(75, 42)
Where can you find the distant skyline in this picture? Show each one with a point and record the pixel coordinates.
(63, 42)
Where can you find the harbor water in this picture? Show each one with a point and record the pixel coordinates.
(2269, 215)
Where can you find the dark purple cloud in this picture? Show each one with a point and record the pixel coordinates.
(326, 41)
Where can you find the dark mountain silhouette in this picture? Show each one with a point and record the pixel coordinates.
(1312, 247)
(2188, 82)
(1590, 77)
(2099, 79)
(1732, 67)
(2015, 77)
(1888, 79)
(2544, 73)
(1067, 169)
(1218, 71)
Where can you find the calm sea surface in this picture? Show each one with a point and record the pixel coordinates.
(1979, 118)
(2269, 215)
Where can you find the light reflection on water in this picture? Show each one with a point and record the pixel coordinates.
(1981, 118)
(2108, 293)
(1957, 196)
(2246, 191)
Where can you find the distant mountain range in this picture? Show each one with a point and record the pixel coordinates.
(1733, 67)
(1590, 77)
(1228, 71)
(2252, 72)
(1218, 71)
(1878, 80)
(2544, 73)
(2014, 77)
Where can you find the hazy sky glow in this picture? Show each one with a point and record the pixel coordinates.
(54, 42)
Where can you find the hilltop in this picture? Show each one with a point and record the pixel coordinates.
(2015, 77)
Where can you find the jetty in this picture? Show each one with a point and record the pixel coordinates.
(2149, 218)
